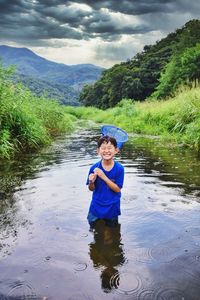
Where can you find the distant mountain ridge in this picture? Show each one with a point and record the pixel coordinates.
(60, 81)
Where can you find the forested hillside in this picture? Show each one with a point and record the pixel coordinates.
(60, 81)
(157, 71)
(63, 93)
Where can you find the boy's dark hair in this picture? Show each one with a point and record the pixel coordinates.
(106, 139)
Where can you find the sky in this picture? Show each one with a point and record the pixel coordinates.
(100, 32)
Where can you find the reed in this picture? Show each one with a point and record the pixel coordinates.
(27, 122)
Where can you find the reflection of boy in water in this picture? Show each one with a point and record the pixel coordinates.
(105, 179)
(107, 254)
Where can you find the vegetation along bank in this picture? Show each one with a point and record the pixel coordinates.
(27, 122)
(175, 120)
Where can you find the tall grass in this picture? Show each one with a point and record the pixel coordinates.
(26, 121)
(176, 119)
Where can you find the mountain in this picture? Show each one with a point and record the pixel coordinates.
(155, 72)
(41, 75)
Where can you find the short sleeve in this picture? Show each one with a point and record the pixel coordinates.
(120, 177)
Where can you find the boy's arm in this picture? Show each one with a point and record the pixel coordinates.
(113, 186)
(91, 186)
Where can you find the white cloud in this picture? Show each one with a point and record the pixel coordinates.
(73, 53)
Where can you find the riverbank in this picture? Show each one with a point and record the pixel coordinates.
(27, 122)
(175, 120)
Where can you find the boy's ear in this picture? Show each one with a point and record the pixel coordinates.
(117, 150)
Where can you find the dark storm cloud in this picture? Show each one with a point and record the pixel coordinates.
(136, 7)
(29, 20)
(64, 15)
(43, 20)
(13, 6)
(127, 7)
(140, 7)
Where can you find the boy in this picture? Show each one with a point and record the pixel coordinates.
(105, 179)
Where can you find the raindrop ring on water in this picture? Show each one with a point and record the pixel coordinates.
(80, 266)
(126, 283)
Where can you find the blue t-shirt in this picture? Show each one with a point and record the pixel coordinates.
(105, 203)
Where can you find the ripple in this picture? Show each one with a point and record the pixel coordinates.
(166, 253)
(22, 290)
(146, 295)
(80, 266)
(194, 231)
(84, 234)
(126, 283)
(169, 294)
(163, 253)
(144, 255)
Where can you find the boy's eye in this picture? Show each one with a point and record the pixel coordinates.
(104, 148)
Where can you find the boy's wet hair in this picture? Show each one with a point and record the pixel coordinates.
(106, 139)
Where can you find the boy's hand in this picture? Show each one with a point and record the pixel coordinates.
(92, 177)
(99, 172)
(113, 186)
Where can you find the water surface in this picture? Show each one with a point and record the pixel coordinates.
(48, 252)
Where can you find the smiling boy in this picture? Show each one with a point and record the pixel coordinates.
(105, 179)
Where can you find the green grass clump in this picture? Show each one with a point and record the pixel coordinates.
(176, 118)
(27, 122)
(82, 112)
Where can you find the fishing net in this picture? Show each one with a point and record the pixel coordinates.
(120, 135)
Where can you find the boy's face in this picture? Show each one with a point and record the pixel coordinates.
(107, 151)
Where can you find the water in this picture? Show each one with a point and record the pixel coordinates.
(47, 251)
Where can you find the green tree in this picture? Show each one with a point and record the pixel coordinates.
(190, 62)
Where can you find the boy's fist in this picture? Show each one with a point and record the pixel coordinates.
(92, 177)
(99, 172)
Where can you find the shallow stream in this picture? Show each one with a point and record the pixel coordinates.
(48, 252)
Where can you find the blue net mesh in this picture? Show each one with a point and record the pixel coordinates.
(120, 135)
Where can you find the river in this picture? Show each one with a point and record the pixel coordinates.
(47, 250)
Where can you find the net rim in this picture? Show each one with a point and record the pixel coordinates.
(125, 135)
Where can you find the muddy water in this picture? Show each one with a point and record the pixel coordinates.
(47, 251)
